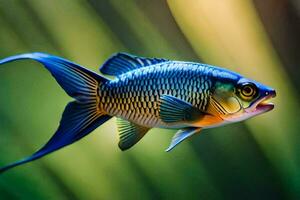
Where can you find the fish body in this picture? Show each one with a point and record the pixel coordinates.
(147, 93)
(136, 95)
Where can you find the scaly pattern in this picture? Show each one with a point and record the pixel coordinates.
(135, 95)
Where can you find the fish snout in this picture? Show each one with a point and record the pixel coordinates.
(270, 93)
(273, 93)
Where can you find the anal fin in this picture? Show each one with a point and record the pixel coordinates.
(129, 133)
(182, 135)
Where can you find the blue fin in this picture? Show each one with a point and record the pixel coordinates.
(81, 116)
(129, 133)
(77, 121)
(122, 62)
(182, 135)
(174, 110)
(74, 79)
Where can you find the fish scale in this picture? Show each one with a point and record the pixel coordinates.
(140, 90)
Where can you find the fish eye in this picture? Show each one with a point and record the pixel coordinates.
(247, 91)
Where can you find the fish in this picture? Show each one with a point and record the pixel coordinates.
(144, 93)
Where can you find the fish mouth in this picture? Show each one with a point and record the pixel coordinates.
(264, 104)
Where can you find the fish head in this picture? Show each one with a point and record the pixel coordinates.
(239, 99)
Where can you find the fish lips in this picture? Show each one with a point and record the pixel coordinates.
(262, 105)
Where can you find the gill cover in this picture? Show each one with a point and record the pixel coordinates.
(226, 105)
(224, 99)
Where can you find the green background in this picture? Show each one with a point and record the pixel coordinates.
(256, 159)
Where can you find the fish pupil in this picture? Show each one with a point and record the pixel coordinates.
(247, 90)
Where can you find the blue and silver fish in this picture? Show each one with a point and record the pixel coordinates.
(147, 93)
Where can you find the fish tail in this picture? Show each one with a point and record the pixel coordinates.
(81, 116)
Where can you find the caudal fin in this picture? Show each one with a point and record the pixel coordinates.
(81, 116)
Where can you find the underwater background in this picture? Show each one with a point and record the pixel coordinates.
(255, 159)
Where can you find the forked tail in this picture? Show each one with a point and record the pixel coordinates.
(81, 116)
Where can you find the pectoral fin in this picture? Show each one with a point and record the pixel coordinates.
(129, 133)
(174, 110)
(182, 135)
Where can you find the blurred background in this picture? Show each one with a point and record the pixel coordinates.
(255, 159)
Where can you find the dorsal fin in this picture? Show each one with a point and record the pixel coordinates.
(122, 62)
(129, 133)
